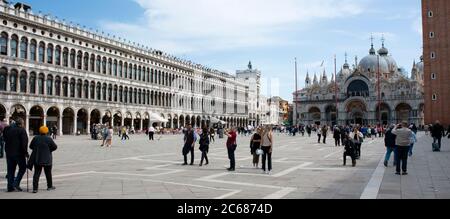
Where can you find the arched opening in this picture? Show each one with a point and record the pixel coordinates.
(53, 117)
(128, 120)
(137, 122)
(3, 75)
(331, 115)
(182, 122)
(68, 121)
(82, 119)
(36, 119)
(357, 111)
(175, 121)
(95, 117)
(2, 112)
(358, 88)
(383, 113)
(106, 120)
(18, 111)
(315, 115)
(118, 119)
(403, 112)
(169, 121)
(199, 122)
(146, 121)
(188, 120)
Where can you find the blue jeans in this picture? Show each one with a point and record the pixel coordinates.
(411, 150)
(12, 163)
(389, 151)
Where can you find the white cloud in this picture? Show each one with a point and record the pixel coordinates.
(184, 26)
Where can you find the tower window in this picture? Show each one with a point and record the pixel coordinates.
(433, 55)
(431, 34)
(434, 97)
(430, 14)
(433, 76)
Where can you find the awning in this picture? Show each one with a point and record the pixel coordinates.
(157, 118)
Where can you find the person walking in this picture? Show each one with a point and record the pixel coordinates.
(324, 133)
(255, 145)
(204, 146)
(403, 141)
(349, 150)
(151, 133)
(337, 136)
(104, 135)
(358, 139)
(109, 136)
(212, 133)
(413, 141)
(389, 142)
(344, 135)
(16, 143)
(189, 143)
(437, 132)
(267, 146)
(319, 134)
(54, 132)
(308, 130)
(231, 147)
(41, 157)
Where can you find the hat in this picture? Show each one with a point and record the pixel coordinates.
(43, 130)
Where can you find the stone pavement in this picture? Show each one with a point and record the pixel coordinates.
(139, 169)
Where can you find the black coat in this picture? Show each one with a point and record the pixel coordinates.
(42, 147)
(16, 141)
(337, 134)
(437, 131)
(204, 142)
(389, 139)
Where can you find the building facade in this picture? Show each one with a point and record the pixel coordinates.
(436, 41)
(372, 92)
(57, 74)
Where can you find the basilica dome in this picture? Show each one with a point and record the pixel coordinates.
(370, 64)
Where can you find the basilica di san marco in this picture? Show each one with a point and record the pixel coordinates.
(374, 90)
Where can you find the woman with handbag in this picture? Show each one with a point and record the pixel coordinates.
(41, 158)
(266, 146)
(255, 147)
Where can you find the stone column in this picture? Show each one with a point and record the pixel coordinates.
(27, 123)
(88, 128)
(60, 131)
(141, 125)
(132, 123)
(75, 124)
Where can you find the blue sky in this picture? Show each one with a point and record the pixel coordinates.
(226, 34)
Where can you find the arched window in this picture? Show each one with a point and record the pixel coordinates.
(79, 60)
(23, 82)
(115, 93)
(121, 94)
(104, 91)
(41, 52)
(115, 68)
(58, 55)
(72, 58)
(125, 70)
(72, 88)
(130, 93)
(24, 48)
(79, 88)
(98, 64)
(86, 90)
(92, 63)
(358, 88)
(14, 44)
(110, 94)
(50, 54)
(151, 76)
(110, 66)
(33, 45)
(135, 96)
(41, 82)
(32, 83)
(66, 87)
(3, 76)
(13, 81)
(125, 95)
(135, 72)
(49, 85)
(4, 44)
(104, 65)
(139, 73)
(66, 57)
(139, 96)
(58, 86)
(92, 90)
(86, 61)
(98, 92)
(130, 71)
(120, 69)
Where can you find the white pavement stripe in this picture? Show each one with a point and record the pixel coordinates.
(60, 176)
(373, 187)
(334, 153)
(280, 194)
(141, 175)
(228, 195)
(112, 160)
(285, 172)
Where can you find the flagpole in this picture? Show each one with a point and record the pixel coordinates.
(379, 91)
(296, 102)
(336, 90)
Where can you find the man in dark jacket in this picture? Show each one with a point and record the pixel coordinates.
(16, 142)
(437, 132)
(189, 143)
(41, 158)
(337, 136)
(389, 142)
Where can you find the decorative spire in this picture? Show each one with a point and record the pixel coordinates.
(315, 79)
(250, 65)
(383, 51)
(308, 79)
(372, 49)
(346, 65)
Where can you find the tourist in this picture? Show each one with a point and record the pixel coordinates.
(42, 147)
(427, 129)
(349, 150)
(413, 141)
(231, 147)
(54, 132)
(319, 134)
(212, 133)
(369, 132)
(151, 133)
(267, 147)
(403, 142)
(308, 130)
(357, 138)
(109, 136)
(189, 143)
(337, 136)
(104, 135)
(324, 133)
(374, 133)
(389, 142)
(16, 143)
(344, 135)
(437, 132)
(255, 145)
(204, 146)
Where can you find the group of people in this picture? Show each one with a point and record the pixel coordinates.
(14, 138)
(400, 139)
